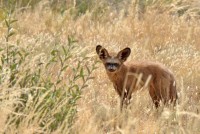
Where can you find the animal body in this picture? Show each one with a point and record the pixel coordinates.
(131, 76)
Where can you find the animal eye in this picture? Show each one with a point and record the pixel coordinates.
(112, 64)
(115, 64)
(108, 64)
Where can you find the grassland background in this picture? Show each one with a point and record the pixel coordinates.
(165, 31)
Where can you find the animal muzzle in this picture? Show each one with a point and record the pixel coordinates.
(111, 68)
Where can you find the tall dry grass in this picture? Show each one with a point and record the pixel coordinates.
(166, 33)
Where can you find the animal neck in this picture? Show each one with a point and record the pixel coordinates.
(118, 76)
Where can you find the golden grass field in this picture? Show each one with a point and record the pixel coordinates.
(161, 35)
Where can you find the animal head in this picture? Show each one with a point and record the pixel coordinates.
(112, 63)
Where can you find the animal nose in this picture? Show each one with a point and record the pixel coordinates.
(111, 70)
(111, 67)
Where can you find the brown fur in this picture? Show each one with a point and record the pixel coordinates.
(131, 76)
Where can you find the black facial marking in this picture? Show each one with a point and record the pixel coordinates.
(111, 67)
(112, 64)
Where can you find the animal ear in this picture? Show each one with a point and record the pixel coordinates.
(123, 54)
(102, 52)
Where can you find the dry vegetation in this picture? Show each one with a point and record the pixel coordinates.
(51, 82)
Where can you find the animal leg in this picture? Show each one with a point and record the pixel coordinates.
(154, 97)
(125, 101)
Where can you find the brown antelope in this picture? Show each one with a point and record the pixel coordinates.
(129, 77)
